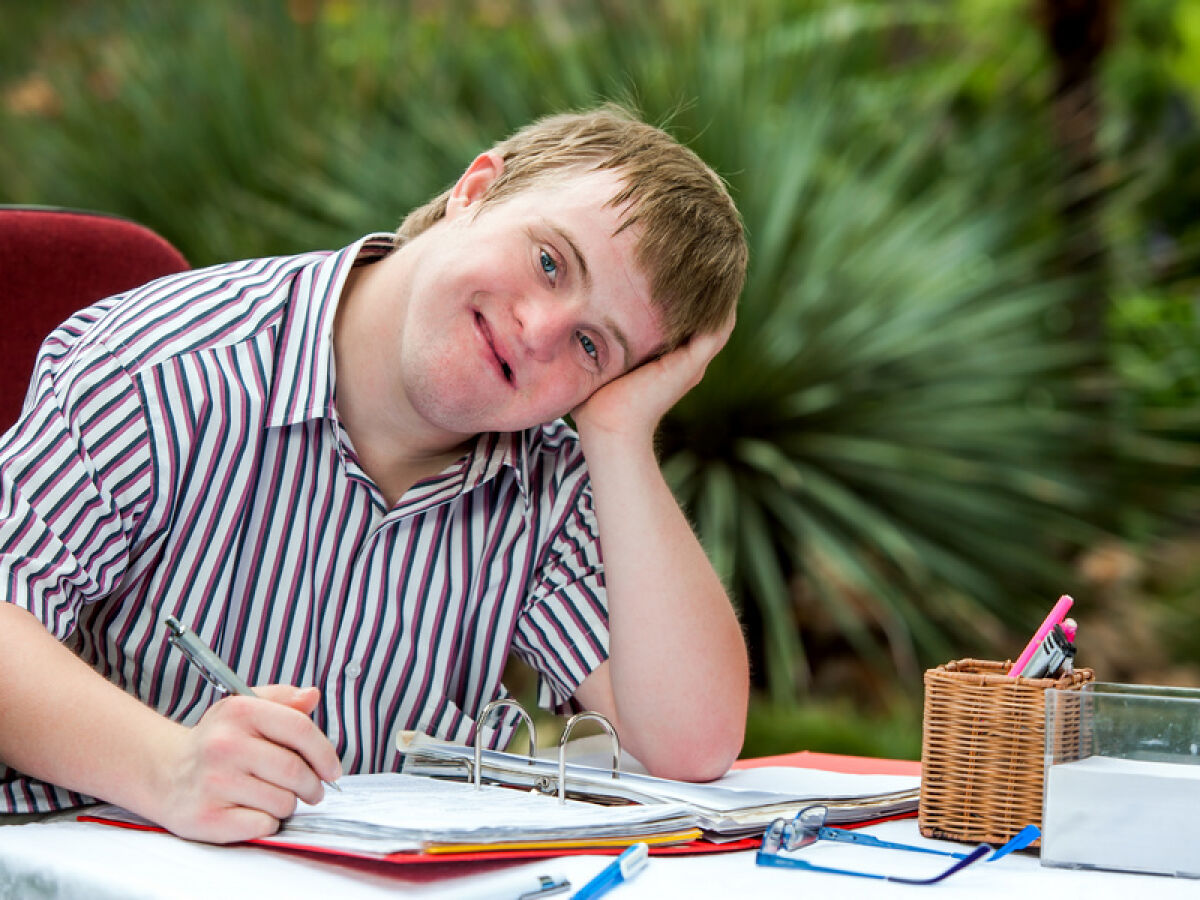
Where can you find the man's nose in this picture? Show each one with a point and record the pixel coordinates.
(543, 325)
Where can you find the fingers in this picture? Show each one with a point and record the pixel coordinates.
(246, 789)
(303, 700)
(703, 347)
(726, 328)
(314, 746)
(685, 366)
(227, 825)
(288, 749)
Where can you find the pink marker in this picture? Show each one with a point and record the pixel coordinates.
(1070, 626)
(1056, 616)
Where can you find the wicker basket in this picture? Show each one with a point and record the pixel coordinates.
(983, 750)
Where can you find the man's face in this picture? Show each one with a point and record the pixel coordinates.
(518, 310)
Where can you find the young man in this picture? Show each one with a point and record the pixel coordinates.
(336, 468)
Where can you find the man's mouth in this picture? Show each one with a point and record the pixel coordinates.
(505, 368)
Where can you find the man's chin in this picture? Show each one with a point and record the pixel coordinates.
(466, 413)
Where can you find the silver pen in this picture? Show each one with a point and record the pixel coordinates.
(212, 666)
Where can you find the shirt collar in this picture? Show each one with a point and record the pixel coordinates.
(303, 383)
(489, 455)
(494, 451)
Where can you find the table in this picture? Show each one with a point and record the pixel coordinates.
(81, 859)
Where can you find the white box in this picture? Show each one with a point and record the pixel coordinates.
(1122, 788)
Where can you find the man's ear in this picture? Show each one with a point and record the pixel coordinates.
(473, 184)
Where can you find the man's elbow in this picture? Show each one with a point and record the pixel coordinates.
(705, 754)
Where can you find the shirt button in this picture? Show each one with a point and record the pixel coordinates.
(353, 670)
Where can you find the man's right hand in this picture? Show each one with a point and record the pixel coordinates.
(239, 771)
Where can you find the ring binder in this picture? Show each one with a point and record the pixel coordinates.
(543, 783)
(562, 748)
(728, 812)
(485, 713)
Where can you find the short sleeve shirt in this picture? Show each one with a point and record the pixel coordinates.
(180, 454)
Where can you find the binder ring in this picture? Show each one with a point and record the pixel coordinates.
(562, 749)
(483, 717)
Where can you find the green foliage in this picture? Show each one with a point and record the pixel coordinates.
(1153, 88)
(885, 459)
(833, 727)
(1155, 337)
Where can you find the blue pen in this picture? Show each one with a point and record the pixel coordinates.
(623, 868)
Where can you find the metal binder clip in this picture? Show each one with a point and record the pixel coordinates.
(484, 714)
(548, 885)
(562, 749)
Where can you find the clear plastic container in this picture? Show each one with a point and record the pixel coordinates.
(1122, 788)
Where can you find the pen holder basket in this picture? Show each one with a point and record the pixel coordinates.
(983, 750)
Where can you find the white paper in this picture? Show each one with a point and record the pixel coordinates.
(407, 811)
(773, 781)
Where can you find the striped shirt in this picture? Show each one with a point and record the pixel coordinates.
(180, 454)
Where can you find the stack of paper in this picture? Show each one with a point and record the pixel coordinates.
(742, 804)
(389, 813)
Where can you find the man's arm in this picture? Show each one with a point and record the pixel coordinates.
(232, 776)
(677, 679)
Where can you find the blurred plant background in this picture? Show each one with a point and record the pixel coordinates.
(966, 375)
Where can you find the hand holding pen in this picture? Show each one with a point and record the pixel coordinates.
(238, 772)
(218, 674)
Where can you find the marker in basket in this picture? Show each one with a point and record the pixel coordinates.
(1055, 618)
(1053, 655)
(1070, 628)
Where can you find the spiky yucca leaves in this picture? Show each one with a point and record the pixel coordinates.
(882, 435)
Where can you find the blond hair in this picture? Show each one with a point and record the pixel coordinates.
(690, 244)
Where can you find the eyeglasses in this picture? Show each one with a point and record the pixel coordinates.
(809, 827)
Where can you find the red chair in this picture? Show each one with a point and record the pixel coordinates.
(54, 262)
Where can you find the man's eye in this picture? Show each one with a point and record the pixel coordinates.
(589, 346)
(549, 266)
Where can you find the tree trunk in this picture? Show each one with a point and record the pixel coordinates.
(1077, 33)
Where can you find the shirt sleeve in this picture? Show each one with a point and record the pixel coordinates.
(563, 632)
(71, 480)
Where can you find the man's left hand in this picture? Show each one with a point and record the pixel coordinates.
(634, 403)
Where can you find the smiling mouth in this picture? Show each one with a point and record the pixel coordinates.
(505, 368)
